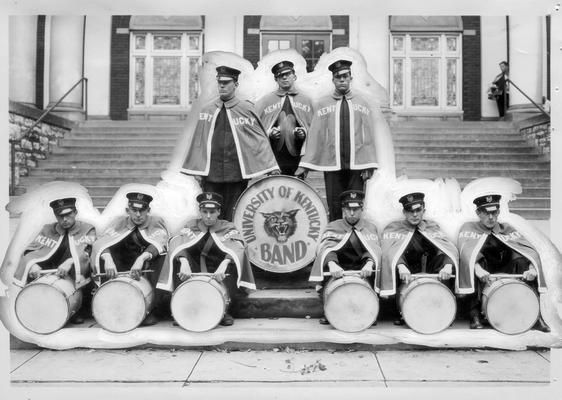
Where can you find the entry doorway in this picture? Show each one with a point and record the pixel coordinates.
(310, 45)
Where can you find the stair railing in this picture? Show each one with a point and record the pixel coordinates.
(84, 82)
(542, 110)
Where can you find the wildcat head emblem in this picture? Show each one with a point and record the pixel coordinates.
(280, 224)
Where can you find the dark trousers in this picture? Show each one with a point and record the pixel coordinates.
(337, 182)
(503, 103)
(230, 192)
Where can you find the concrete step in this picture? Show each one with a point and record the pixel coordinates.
(104, 147)
(133, 135)
(61, 163)
(419, 124)
(485, 141)
(75, 157)
(481, 164)
(130, 123)
(437, 156)
(431, 172)
(536, 191)
(525, 182)
(124, 143)
(531, 202)
(466, 148)
(532, 213)
(87, 181)
(445, 136)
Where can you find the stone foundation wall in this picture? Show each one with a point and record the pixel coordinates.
(537, 130)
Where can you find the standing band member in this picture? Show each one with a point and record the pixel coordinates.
(350, 243)
(229, 145)
(341, 139)
(490, 247)
(208, 244)
(65, 246)
(132, 243)
(286, 114)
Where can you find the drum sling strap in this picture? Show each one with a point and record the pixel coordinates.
(205, 252)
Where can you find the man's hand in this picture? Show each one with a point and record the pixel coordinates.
(446, 272)
(301, 173)
(34, 271)
(335, 269)
(482, 274)
(366, 174)
(530, 274)
(274, 172)
(220, 273)
(64, 268)
(404, 273)
(299, 132)
(109, 266)
(274, 133)
(136, 269)
(367, 270)
(185, 269)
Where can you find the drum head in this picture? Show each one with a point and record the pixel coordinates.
(428, 307)
(351, 307)
(197, 306)
(119, 306)
(42, 308)
(513, 308)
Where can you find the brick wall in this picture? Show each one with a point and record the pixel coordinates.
(340, 22)
(471, 56)
(252, 41)
(119, 83)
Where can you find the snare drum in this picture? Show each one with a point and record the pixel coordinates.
(350, 303)
(511, 306)
(45, 305)
(199, 303)
(427, 305)
(121, 304)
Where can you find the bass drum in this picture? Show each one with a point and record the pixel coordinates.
(350, 304)
(511, 306)
(121, 304)
(45, 305)
(199, 303)
(427, 305)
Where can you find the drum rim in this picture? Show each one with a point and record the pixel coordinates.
(138, 291)
(69, 314)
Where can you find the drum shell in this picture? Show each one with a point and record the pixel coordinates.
(192, 311)
(121, 304)
(507, 312)
(44, 317)
(350, 303)
(431, 311)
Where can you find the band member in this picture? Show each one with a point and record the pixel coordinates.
(133, 243)
(286, 114)
(414, 245)
(341, 139)
(347, 244)
(490, 247)
(212, 245)
(64, 246)
(229, 145)
(499, 89)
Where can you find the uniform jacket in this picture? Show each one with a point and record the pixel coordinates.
(226, 237)
(472, 237)
(252, 145)
(321, 150)
(395, 239)
(336, 235)
(269, 107)
(80, 237)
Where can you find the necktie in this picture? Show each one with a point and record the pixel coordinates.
(344, 132)
(205, 253)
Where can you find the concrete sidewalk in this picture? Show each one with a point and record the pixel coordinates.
(185, 368)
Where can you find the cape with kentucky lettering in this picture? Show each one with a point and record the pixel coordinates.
(46, 243)
(226, 237)
(252, 145)
(472, 237)
(153, 231)
(321, 150)
(396, 237)
(270, 106)
(335, 237)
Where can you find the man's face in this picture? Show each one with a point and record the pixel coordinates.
(67, 221)
(503, 67)
(138, 217)
(342, 82)
(414, 217)
(209, 216)
(286, 80)
(227, 88)
(352, 215)
(488, 218)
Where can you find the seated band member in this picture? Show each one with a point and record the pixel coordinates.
(65, 245)
(347, 244)
(212, 245)
(286, 114)
(490, 247)
(414, 245)
(132, 243)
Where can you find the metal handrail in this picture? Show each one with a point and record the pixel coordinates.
(528, 98)
(84, 82)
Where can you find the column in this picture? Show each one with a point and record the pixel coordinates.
(66, 62)
(23, 58)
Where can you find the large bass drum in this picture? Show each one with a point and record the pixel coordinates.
(511, 306)
(199, 303)
(350, 303)
(281, 219)
(45, 305)
(122, 303)
(427, 305)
